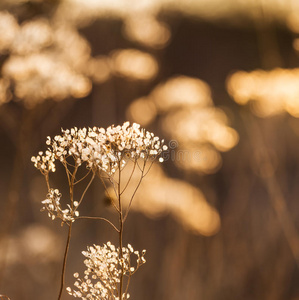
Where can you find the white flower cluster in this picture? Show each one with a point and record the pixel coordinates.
(44, 162)
(53, 206)
(101, 149)
(105, 266)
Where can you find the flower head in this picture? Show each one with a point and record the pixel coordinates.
(104, 267)
(53, 206)
(101, 149)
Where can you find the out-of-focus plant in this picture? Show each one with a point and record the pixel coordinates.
(42, 58)
(189, 118)
(269, 92)
(45, 60)
(199, 132)
(103, 153)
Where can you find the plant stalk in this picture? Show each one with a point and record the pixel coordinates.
(64, 260)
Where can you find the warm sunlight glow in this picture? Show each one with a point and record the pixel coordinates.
(32, 37)
(80, 11)
(98, 69)
(146, 30)
(189, 118)
(46, 61)
(159, 195)
(271, 92)
(41, 76)
(202, 158)
(9, 29)
(200, 125)
(134, 64)
(142, 111)
(181, 91)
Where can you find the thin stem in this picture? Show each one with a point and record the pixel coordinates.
(129, 179)
(113, 182)
(149, 168)
(82, 177)
(138, 166)
(120, 234)
(129, 276)
(67, 173)
(89, 183)
(131, 200)
(64, 260)
(47, 181)
(107, 192)
(71, 185)
(99, 218)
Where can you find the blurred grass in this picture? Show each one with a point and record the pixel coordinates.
(254, 255)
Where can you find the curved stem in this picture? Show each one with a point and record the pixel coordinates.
(149, 168)
(131, 200)
(64, 261)
(67, 173)
(129, 179)
(98, 218)
(81, 179)
(89, 183)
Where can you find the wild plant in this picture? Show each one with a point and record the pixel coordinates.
(104, 154)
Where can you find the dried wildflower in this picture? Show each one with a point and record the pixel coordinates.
(44, 162)
(104, 152)
(101, 149)
(53, 206)
(105, 266)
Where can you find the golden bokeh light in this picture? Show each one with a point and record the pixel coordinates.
(98, 69)
(134, 64)
(73, 48)
(201, 157)
(200, 133)
(81, 86)
(46, 61)
(41, 76)
(9, 29)
(293, 21)
(188, 117)
(40, 243)
(271, 92)
(181, 91)
(34, 243)
(82, 12)
(32, 37)
(200, 125)
(146, 30)
(159, 195)
(142, 111)
(223, 137)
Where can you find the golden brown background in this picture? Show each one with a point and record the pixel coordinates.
(219, 80)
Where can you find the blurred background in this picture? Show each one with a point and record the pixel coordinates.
(218, 80)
